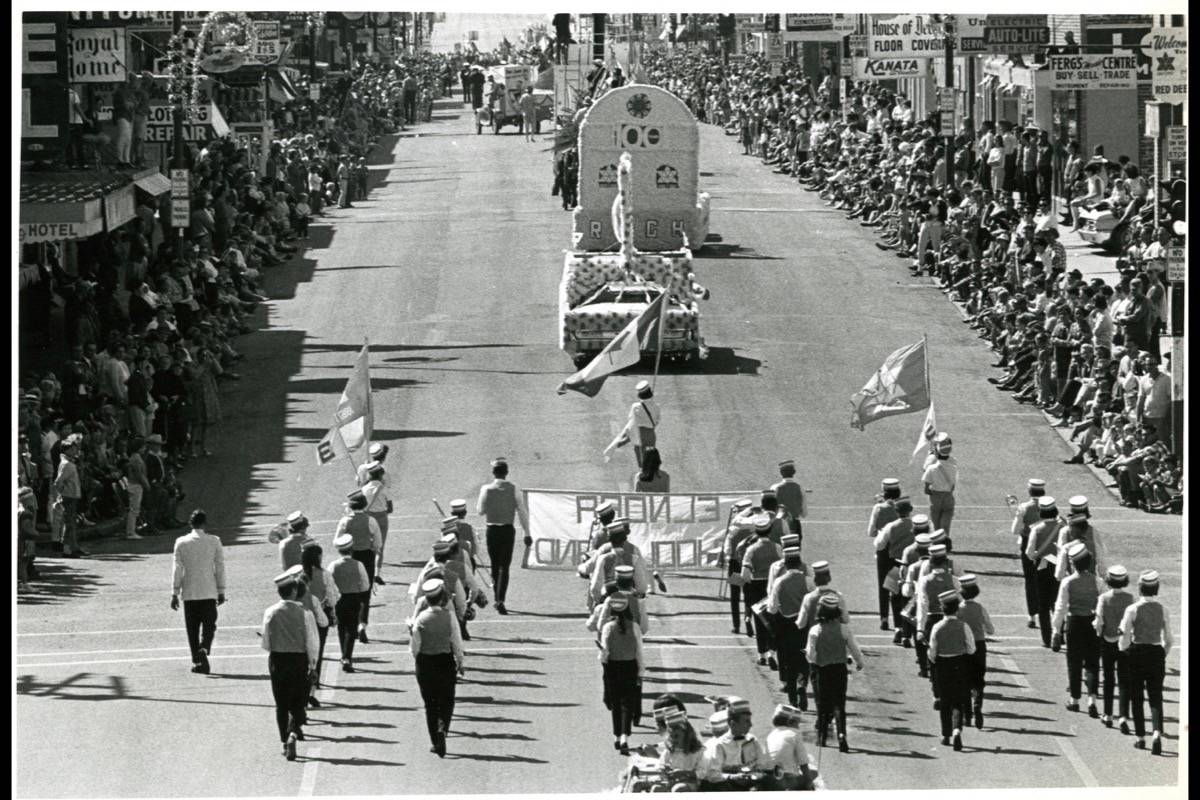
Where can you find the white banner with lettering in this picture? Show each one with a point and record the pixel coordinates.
(1083, 72)
(673, 531)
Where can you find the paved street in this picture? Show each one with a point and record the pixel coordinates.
(450, 269)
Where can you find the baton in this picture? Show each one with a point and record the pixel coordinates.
(438, 506)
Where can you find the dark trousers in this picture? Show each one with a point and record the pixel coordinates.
(367, 559)
(793, 663)
(437, 676)
(735, 596)
(289, 686)
(1083, 655)
(923, 647)
(200, 619)
(829, 689)
(1047, 593)
(1147, 669)
(977, 675)
(622, 694)
(953, 691)
(1029, 188)
(754, 591)
(410, 107)
(883, 565)
(1115, 668)
(1029, 572)
(322, 635)
(500, 539)
(348, 612)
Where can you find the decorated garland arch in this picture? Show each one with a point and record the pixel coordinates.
(234, 28)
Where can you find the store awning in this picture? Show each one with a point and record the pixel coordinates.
(69, 205)
(153, 184)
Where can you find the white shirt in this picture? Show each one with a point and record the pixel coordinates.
(941, 475)
(643, 414)
(377, 497)
(199, 570)
(312, 641)
(786, 749)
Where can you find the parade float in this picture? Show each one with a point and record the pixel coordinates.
(639, 214)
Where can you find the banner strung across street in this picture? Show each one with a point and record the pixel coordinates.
(1080, 72)
(683, 531)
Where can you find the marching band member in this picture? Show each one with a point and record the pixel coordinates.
(890, 542)
(977, 618)
(1110, 610)
(1040, 551)
(1146, 638)
(791, 496)
(379, 505)
(783, 603)
(353, 589)
(291, 546)
(437, 649)
(951, 644)
(760, 555)
(1025, 517)
(366, 547)
(1075, 607)
(624, 668)
(829, 643)
(289, 634)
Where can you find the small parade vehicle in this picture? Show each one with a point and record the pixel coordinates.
(511, 80)
(589, 326)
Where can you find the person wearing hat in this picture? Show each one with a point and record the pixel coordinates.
(26, 536)
(916, 555)
(1025, 516)
(499, 504)
(619, 551)
(464, 532)
(884, 510)
(784, 599)
(1146, 640)
(822, 577)
(292, 545)
(379, 505)
(644, 419)
(198, 579)
(940, 478)
(930, 586)
(951, 644)
(718, 726)
(624, 586)
(1114, 663)
(740, 536)
(367, 543)
(437, 648)
(973, 613)
(942, 538)
(786, 750)
(1041, 551)
(728, 756)
(1075, 608)
(1079, 529)
(760, 555)
(791, 496)
(781, 523)
(624, 667)
(681, 753)
(321, 598)
(353, 587)
(289, 634)
(605, 513)
(890, 544)
(68, 491)
(830, 641)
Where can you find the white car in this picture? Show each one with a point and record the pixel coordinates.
(594, 322)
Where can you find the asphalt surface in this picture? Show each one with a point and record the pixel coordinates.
(451, 269)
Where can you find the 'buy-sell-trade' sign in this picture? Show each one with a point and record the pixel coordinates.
(1080, 72)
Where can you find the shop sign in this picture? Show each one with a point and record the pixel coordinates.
(881, 69)
(144, 20)
(909, 36)
(750, 23)
(30, 232)
(808, 22)
(946, 98)
(1175, 262)
(1167, 49)
(44, 69)
(844, 24)
(773, 42)
(269, 44)
(97, 55)
(1008, 34)
(969, 34)
(948, 128)
(1176, 143)
(1083, 72)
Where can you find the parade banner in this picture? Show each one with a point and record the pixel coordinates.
(1081, 72)
(672, 531)
(905, 36)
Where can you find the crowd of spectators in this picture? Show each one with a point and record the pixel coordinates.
(151, 325)
(1085, 351)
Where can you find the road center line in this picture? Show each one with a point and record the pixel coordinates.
(308, 781)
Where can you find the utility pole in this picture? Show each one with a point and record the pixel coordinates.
(312, 52)
(949, 136)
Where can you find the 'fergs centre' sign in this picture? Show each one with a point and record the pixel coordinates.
(1080, 72)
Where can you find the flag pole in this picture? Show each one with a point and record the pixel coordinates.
(925, 350)
(662, 321)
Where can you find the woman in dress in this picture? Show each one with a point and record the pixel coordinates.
(651, 477)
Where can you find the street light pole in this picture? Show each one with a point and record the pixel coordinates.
(177, 159)
(949, 40)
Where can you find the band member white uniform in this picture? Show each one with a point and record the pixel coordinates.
(791, 496)
(644, 419)
(1079, 528)
(289, 634)
(1025, 516)
(379, 505)
(1075, 608)
(1146, 638)
(940, 478)
(291, 546)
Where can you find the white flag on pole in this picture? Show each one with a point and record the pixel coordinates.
(353, 419)
(928, 431)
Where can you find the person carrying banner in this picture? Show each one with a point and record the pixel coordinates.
(379, 505)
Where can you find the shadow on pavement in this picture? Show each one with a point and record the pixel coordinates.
(892, 753)
(519, 737)
(351, 762)
(501, 720)
(402, 348)
(481, 757)
(60, 581)
(731, 251)
(691, 670)
(497, 701)
(720, 361)
(507, 671)
(986, 554)
(378, 435)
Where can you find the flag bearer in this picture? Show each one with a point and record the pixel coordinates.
(289, 634)
(1075, 607)
(379, 505)
(1110, 610)
(1146, 638)
(940, 479)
